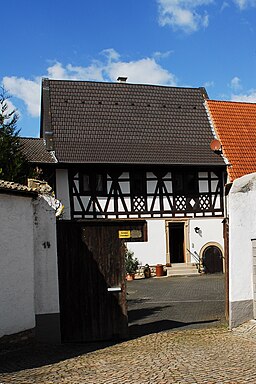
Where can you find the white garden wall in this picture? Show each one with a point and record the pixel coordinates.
(29, 296)
(45, 246)
(16, 264)
(62, 191)
(242, 230)
(46, 273)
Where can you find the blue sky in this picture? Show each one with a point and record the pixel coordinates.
(191, 43)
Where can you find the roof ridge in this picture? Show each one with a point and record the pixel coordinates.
(122, 84)
(31, 138)
(231, 102)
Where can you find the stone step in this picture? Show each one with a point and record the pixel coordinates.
(183, 265)
(182, 269)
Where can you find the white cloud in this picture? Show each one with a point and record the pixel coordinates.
(182, 14)
(162, 55)
(250, 97)
(243, 4)
(70, 72)
(145, 70)
(111, 54)
(57, 71)
(208, 84)
(235, 83)
(141, 71)
(26, 90)
(225, 5)
(10, 106)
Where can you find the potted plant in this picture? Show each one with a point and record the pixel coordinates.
(131, 264)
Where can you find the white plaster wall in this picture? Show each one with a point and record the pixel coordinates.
(62, 191)
(46, 271)
(16, 264)
(242, 229)
(153, 251)
(211, 231)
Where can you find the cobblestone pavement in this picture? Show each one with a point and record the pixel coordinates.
(194, 346)
(212, 355)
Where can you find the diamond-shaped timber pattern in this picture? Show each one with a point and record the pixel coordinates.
(180, 203)
(139, 204)
(204, 202)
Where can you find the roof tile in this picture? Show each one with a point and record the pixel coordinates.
(35, 151)
(126, 123)
(16, 187)
(235, 125)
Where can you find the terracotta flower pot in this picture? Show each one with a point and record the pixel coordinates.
(130, 276)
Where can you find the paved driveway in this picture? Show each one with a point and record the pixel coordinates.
(209, 354)
(160, 304)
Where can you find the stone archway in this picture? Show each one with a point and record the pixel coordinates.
(212, 257)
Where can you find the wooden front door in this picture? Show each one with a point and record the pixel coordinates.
(176, 242)
(91, 282)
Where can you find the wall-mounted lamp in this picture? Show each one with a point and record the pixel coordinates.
(197, 229)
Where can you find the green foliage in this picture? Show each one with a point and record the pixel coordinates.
(131, 262)
(13, 165)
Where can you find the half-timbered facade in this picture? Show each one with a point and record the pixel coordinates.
(143, 193)
(137, 152)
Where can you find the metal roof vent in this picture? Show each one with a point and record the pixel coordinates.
(121, 79)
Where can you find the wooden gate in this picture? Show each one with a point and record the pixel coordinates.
(212, 259)
(91, 281)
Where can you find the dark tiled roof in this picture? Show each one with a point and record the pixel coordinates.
(35, 150)
(95, 122)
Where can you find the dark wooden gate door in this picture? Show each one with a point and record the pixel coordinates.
(212, 259)
(91, 281)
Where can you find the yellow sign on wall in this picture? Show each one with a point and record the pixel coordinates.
(124, 234)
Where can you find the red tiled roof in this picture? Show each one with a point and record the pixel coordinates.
(235, 126)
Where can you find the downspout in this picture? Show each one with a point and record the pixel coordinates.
(226, 249)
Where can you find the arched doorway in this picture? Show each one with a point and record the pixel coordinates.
(212, 258)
